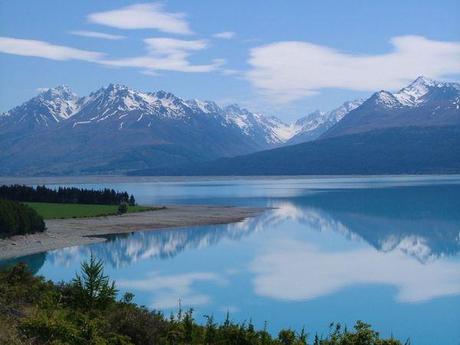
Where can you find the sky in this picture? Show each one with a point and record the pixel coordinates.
(282, 58)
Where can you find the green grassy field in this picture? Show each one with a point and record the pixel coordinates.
(52, 211)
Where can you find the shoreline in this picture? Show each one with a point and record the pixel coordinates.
(89, 179)
(62, 233)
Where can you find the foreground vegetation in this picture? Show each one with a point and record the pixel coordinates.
(85, 311)
(18, 219)
(67, 195)
(62, 211)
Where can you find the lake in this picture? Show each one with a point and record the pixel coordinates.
(380, 249)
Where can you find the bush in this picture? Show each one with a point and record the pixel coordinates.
(122, 208)
(19, 219)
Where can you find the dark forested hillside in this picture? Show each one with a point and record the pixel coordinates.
(406, 150)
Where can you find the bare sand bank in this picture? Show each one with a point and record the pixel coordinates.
(63, 233)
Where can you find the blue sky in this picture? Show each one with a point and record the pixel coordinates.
(283, 58)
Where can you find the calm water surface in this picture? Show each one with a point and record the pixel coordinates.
(383, 250)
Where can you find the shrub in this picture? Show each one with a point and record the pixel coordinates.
(92, 289)
(123, 208)
(19, 219)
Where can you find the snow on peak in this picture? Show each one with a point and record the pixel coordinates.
(271, 129)
(417, 92)
(318, 119)
(413, 94)
(206, 107)
(62, 91)
(386, 99)
(59, 102)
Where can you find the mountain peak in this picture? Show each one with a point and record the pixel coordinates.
(164, 94)
(422, 80)
(385, 98)
(414, 93)
(60, 91)
(116, 87)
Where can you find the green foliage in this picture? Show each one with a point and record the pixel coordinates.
(92, 289)
(18, 219)
(85, 311)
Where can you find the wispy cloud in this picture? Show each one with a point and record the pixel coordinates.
(46, 50)
(226, 35)
(95, 34)
(143, 16)
(290, 70)
(168, 54)
(163, 54)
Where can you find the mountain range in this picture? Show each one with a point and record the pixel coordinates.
(117, 130)
(413, 131)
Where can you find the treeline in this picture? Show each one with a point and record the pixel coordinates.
(65, 195)
(85, 311)
(18, 219)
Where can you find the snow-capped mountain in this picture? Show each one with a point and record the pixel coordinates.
(252, 124)
(424, 102)
(124, 105)
(419, 91)
(120, 128)
(315, 124)
(116, 128)
(45, 110)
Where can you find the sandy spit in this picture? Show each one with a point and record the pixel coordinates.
(63, 233)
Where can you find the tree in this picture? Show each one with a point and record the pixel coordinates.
(132, 201)
(92, 289)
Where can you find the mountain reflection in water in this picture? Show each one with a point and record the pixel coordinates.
(413, 220)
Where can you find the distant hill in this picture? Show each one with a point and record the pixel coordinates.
(405, 150)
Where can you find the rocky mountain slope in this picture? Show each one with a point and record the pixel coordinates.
(424, 102)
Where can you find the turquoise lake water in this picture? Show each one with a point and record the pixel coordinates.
(385, 250)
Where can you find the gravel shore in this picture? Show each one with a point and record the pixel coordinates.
(62, 233)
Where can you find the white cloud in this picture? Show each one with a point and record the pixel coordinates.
(143, 16)
(230, 71)
(45, 50)
(168, 290)
(95, 34)
(291, 70)
(42, 89)
(171, 46)
(317, 273)
(226, 35)
(168, 54)
(163, 54)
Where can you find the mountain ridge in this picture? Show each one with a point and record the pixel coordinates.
(424, 102)
(116, 129)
